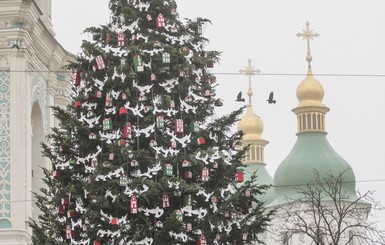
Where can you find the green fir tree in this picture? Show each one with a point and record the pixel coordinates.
(139, 156)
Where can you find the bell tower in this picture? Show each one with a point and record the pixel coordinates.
(31, 81)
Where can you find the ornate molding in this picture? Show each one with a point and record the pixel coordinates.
(4, 62)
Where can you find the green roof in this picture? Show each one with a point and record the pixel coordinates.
(311, 154)
(263, 178)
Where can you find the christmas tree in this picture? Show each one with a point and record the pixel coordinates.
(139, 156)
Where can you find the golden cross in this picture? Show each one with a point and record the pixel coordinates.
(308, 35)
(250, 71)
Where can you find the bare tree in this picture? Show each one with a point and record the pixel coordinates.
(324, 213)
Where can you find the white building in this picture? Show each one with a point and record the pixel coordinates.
(30, 83)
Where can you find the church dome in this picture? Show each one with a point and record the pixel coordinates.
(251, 125)
(311, 154)
(310, 92)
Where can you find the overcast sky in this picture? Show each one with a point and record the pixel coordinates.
(348, 60)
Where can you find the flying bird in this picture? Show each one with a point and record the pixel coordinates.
(271, 99)
(239, 97)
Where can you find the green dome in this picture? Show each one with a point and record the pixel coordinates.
(263, 178)
(311, 154)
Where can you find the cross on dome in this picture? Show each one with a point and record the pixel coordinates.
(250, 71)
(308, 34)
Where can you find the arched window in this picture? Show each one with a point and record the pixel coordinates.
(319, 122)
(253, 153)
(258, 153)
(303, 122)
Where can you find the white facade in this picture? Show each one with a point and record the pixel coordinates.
(30, 82)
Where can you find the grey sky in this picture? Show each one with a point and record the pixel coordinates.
(351, 47)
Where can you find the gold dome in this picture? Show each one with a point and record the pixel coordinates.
(251, 125)
(310, 92)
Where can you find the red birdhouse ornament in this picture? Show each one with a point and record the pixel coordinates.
(205, 174)
(77, 78)
(153, 77)
(178, 126)
(77, 104)
(100, 62)
(123, 111)
(122, 142)
(114, 221)
(127, 131)
(97, 243)
(201, 141)
(188, 227)
(71, 213)
(134, 205)
(98, 94)
(65, 202)
(121, 39)
(240, 175)
(247, 193)
(202, 240)
(165, 201)
(214, 199)
(70, 234)
(160, 21)
(56, 174)
(173, 144)
(188, 175)
(108, 102)
(61, 209)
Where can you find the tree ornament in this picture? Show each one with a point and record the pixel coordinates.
(77, 104)
(123, 111)
(122, 142)
(97, 243)
(240, 175)
(61, 210)
(122, 62)
(215, 165)
(134, 163)
(172, 104)
(205, 174)
(179, 215)
(124, 96)
(194, 127)
(70, 234)
(111, 156)
(138, 63)
(186, 164)
(202, 240)
(108, 102)
(121, 39)
(201, 141)
(94, 162)
(173, 11)
(166, 58)
(114, 221)
(77, 78)
(245, 236)
(178, 126)
(123, 180)
(187, 200)
(188, 227)
(165, 201)
(218, 237)
(127, 131)
(65, 202)
(56, 174)
(199, 29)
(71, 213)
(153, 143)
(92, 136)
(148, 17)
(142, 97)
(107, 124)
(100, 62)
(153, 77)
(210, 64)
(160, 121)
(186, 50)
(173, 144)
(167, 169)
(159, 224)
(207, 93)
(160, 21)
(188, 98)
(108, 38)
(148, 108)
(214, 199)
(134, 205)
(247, 193)
(188, 175)
(98, 94)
